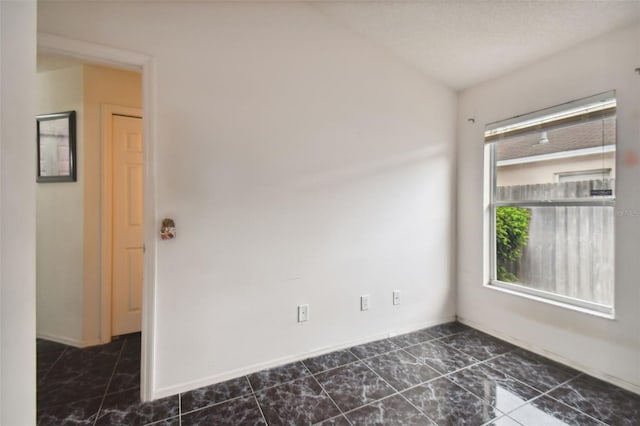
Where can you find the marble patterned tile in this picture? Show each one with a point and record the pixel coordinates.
(498, 389)
(125, 377)
(275, 376)
(353, 385)
(503, 421)
(601, 400)
(447, 329)
(78, 374)
(75, 413)
(97, 360)
(479, 345)
(448, 404)
(547, 411)
(440, 357)
(73, 386)
(410, 339)
(534, 370)
(401, 370)
(299, 402)
(209, 395)
(174, 421)
(329, 361)
(47, 353)
(132, 346)
(45, 346)
(373, 348)
(394, 410)
(127, 409)
(335, 421)
(46, 360)
(127, 371)
(239, 411)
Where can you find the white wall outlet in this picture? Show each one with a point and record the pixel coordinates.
(303, 313)
(364, 302)
(396, 297)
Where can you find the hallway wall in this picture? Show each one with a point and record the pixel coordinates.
(59, 220)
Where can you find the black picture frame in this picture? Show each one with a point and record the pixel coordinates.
(56, 146)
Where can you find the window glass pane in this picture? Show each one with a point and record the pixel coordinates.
(563, 250)
(569, 163)
(553, 193)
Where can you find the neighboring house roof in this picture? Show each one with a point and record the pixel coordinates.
(587, 135)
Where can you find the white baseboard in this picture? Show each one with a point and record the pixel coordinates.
(68, 340)
(555, 357)
(210, 380)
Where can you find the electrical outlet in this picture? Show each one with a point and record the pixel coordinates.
(396, 297)
(303, 313)
(364, 302)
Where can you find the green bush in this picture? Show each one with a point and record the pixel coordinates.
(512, 235)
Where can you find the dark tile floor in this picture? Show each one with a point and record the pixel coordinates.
(444, 375)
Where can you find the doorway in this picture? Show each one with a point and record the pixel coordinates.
(122, 220)
(125, 59)
(90, 232)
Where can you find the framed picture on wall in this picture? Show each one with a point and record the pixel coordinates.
(57, 147)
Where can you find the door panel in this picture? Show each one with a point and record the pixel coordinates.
(128, 245)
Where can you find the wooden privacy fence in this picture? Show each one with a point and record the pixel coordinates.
(570, 249)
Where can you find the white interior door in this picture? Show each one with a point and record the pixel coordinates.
(128, 242)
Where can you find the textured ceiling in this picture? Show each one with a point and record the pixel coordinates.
(463, 43)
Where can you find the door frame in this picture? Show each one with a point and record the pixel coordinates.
(99, 54)
(107, 112)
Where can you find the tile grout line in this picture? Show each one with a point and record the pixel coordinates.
(397, 392)
(255, 398)
(277, 384)
(333, 368)
(485, 364)
(54, 362)
(215, 404)
(330, 398)
(440, 376)
(541, 392)
(547, 394)
(498, 371)
(179, 408)
(358, 359)
(106, 390)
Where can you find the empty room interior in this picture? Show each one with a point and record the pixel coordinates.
(319, 212)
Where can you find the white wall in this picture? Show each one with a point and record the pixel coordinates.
(59, 221)
(17, 212)
(607, 348)
(301, 164)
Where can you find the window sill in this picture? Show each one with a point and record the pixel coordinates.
(601, 311)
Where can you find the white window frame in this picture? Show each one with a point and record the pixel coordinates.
(585, 306)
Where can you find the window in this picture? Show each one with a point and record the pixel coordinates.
(583, 175)
(552, 203)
